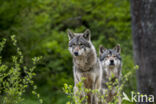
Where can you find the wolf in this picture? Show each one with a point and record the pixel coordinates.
(86, 64)
(111, 65)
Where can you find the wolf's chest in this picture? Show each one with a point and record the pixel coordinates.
(111, 73)
(82, 63)
(89, 79)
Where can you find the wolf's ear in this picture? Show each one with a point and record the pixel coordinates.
(101, 49)
(87, 34)
(70, 34)
(117, 48)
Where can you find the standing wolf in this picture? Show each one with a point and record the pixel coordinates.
(111, 65)
(86, 63)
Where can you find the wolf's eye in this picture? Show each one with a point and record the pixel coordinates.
(115, 56)
(81, 45)
(107, 56)
(73, 45)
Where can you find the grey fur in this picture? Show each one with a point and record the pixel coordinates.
(86, 64)
(106, 56)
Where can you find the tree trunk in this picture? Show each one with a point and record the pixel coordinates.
(143, 14)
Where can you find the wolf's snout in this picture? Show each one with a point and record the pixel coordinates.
(76, 53)
(111, 62)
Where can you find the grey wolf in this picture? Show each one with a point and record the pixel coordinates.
(111, 65)
(86, 63)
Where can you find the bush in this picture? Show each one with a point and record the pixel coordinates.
(102, 96)
(12, 83)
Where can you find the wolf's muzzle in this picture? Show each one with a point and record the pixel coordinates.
(76, 53)
(111, 62)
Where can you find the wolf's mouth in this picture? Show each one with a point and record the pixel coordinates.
(111, 65)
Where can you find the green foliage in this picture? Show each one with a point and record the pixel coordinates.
(40, 27)
(12, 83)
(77, 98)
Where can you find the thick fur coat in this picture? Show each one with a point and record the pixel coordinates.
(111, 65)
(86, 64)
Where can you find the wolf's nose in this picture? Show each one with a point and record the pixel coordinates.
(111, 62)
(76, 53)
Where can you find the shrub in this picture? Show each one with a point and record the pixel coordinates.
(12, 81)
(78, 99)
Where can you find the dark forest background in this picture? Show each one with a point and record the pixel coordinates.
(40, 28)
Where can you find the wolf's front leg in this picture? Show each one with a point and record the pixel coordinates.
(79, 96)
(75, 94)
(90, 98)
(119, 99)
(97, 87)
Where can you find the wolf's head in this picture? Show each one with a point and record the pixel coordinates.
(110, 58)
(79, 43)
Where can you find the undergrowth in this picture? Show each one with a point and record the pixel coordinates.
(17, 77)
(79, 99)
